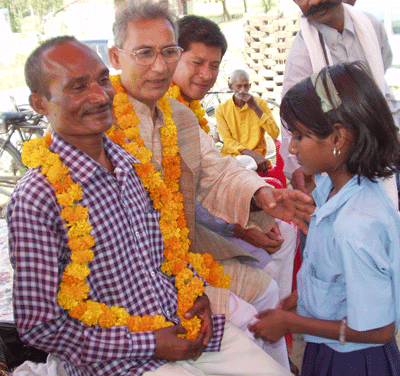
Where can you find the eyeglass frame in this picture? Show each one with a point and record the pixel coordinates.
(155, 58)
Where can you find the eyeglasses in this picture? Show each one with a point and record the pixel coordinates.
(147, 56)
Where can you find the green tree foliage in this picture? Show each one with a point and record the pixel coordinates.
(20, 9)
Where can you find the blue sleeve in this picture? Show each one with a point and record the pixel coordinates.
(368, 273)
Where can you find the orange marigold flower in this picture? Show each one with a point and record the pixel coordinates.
(78, 311)
(62, 184)
(177, 266)
(121, 314)
(74, 213)
(82, 256)
(107, 319)
(69, 279)
(81, 242)
(192, 326)
(80, 271)
(134, 323)
(79, 228)
(70, 295)
(92, 314)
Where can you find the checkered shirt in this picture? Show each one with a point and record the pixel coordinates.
(125, 271)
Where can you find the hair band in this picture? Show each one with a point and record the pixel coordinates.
(327, 93)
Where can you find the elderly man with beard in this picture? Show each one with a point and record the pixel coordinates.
(332, 32)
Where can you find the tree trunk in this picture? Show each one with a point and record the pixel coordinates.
(226, 17)
(245, 6)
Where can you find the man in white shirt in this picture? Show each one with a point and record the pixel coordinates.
(333, 32)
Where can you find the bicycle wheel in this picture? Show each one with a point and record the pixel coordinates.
(11, 167)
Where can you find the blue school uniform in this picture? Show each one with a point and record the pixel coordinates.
(351, 262)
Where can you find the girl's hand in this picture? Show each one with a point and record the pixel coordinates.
(290, 303)
(272, 325)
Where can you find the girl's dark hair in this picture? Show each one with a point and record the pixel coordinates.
(364, 111)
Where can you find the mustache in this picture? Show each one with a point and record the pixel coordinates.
(98, 108)
(321, 7)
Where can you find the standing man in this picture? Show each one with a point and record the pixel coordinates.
(87, 245)
(332, 32)
(144, 36)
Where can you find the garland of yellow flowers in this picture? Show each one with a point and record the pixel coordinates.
(73, 292)
(174, 92)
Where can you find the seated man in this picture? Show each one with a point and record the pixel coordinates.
(87, 244)
(242, 122)
(182, 154)
(204, 46)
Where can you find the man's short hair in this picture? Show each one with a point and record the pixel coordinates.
(35, 76)
(139, 10)
(192, 29)
(238, 73)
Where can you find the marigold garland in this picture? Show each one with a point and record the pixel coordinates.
(73, 293)
(174, 92)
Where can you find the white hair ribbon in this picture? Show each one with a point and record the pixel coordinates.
(327, 94)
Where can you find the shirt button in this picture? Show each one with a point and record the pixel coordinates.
(137, 234)
(152, 274)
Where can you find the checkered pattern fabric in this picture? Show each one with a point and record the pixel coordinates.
(125, 271)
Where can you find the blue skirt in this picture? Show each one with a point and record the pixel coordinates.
(321, 360)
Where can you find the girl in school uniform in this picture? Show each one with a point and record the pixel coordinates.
(348, 294)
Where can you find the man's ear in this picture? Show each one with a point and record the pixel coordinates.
(113, 55)
(230, 86)
(39, 103)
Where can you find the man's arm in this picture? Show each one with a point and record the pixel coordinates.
(298, 67)
(226, 188)
(383, 40)
(37, 250)
(270, 241)
(262, 162)
(267, 122)
(387, 57)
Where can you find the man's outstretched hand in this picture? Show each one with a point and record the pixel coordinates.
(286, 204)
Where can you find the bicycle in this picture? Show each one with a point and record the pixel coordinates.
(16, 128)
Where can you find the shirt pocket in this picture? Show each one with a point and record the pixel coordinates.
(324, 300)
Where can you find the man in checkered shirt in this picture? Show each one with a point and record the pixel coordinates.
(70, 85)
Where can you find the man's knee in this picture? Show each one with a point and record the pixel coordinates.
(248, 283)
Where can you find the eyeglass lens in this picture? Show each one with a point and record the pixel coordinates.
(147, 56)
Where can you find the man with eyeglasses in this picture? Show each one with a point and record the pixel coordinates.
(141, 32)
